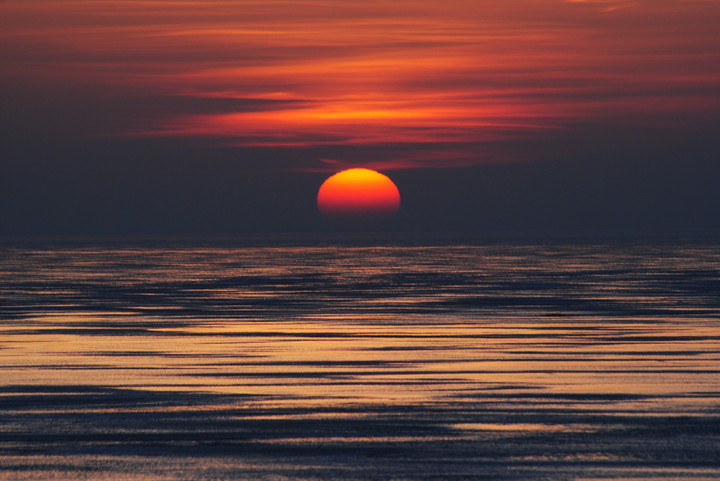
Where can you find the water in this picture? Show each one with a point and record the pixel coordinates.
(340, 362)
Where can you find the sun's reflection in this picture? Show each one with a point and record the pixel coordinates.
(362, 350)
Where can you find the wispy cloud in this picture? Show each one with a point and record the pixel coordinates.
(429, 84)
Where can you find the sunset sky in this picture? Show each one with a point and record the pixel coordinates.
(159, 116)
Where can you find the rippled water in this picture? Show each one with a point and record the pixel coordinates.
(443, 362)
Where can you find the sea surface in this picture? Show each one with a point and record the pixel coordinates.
(360, 361)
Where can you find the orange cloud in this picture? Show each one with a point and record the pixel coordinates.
(453, 79)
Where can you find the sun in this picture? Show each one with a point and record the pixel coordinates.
(358, 196)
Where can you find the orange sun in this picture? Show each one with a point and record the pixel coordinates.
(358, 195)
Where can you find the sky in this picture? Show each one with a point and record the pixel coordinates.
(220, 117)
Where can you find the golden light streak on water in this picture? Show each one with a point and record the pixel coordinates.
(511, 362)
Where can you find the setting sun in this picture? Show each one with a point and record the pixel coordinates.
(358, 195)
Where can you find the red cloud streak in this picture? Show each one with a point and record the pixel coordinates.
(448, 83)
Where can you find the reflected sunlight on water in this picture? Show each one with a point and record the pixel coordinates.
(440, 362)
